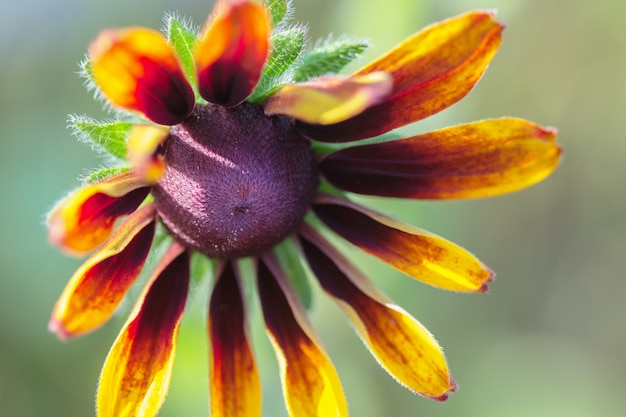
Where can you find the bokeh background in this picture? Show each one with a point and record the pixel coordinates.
(549, 339)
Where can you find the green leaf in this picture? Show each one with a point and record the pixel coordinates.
(104, 173)
(286, 48)
(329, 57)
(106, 137)
(182, 36)
(278, 9)
(289, 257)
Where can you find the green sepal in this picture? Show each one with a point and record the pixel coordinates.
(104, 173)
(329, 57)
(86, 73)
(279, 9)
(286, 48)
(104, 137)
(183, 37)
(289, 257)
(202, 268)
(161, 242)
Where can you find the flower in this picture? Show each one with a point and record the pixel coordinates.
(233, 145)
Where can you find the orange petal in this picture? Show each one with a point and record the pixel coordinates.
(136, 375)
(143, 144)
(417, 253)
(235, 384)
(330, 99)
(310, 383)
(232, 50)
(138, 70)
(99, 285)
(83, 220)
(431, 70)
(400, 343)
(481, 159)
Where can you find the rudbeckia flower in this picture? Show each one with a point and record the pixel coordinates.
(237, 143)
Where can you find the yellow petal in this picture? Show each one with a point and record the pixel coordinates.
(143, 143)
(137, 70)
(431, 71)
(234, 379)
(99, 285)
(480, 159)
(399, 342)
(85, 218)
(419, 254)
(331, 99)
(232, 50)
(136, 374)
(311, 386)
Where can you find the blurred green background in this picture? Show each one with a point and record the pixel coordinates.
(549, 339)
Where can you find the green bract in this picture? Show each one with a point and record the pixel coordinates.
(182, 36)
(329, 57)
(104, 137)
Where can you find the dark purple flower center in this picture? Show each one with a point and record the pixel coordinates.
(237, 181)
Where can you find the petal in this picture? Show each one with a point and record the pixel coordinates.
(136, 375)
(417, 253)
(143, 145)
(232, 50)
(310, 383)
(84, 219)
(233, 374)
(330, 99)
(431, 70)
(400, 343)
(99, 285)
(138, 70)
(481, 159)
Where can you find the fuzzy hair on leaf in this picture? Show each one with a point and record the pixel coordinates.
(107, 137)
(329, 56)
(287, 46)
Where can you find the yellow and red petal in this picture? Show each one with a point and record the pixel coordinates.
(431, 70)
(84, 219)
(330, 99)
(234, 382)
(136, 374)
(481, 159)
(143, 145)
(310, 383)
(99, 285)
(232, 50)
(400, 343)
(137, 70)
(419, 254)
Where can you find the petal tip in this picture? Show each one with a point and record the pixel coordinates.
(444, 396)
(485, 285)
(56, 327)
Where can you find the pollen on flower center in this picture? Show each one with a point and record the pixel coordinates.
(237, 181)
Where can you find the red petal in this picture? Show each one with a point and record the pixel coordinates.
(231, 52)
(432, 70)
(83, 220)
(136, 375)
(234, 377)
(481, 159)
(417, 253)
(310, 383)
(138, 70)
(100, 284)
